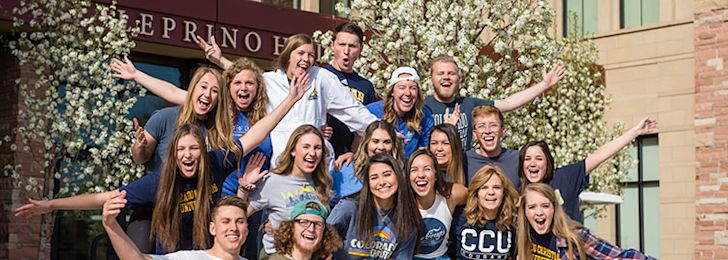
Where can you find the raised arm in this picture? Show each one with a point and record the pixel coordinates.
(645, 126)
(524, 96)
(213, 52)
(260, 130)
(87, 201)
(458, 196)
(126, 70)
(122, 244)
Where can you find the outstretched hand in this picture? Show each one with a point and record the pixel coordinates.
(253, 173)
(113, 207)
(212, 50)
(299, 86)
(454, 117)
(552, 77)
(645, 126)
(123, 69)
(344, 159)
(33, 208)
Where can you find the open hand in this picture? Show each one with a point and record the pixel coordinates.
(552, 77)
(123, 69)
(454, 117)
(645, 126)
(252, 173)
(299, 86)
(33, 208)
(344, 159)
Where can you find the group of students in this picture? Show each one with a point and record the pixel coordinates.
(339, 173)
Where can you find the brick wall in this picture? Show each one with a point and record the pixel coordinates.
(711, 129)
(19, 238)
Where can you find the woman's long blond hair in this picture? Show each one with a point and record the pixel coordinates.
(166, 217)
(562, 226)
(219, 122)
(475, 213)
(320, 175)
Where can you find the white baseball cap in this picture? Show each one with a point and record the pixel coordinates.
(404, 70)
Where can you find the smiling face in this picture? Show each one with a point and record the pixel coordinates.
(422, 175)
(445, 80)
(230, 228)
(244, 89)
(490, 196)
(346, 49)
(308, 232)
(490, 132)
(380, 142)
(307, 154)
(404, 94)
(301, 60)
(539, 211)
(534, 164)
(440, 147)
(188, 155)
(382, 183)
(205, 95)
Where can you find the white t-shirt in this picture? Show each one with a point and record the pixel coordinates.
(326, 96)
(189, 254)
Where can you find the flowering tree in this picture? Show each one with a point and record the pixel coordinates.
(73, 120)
(515, 37)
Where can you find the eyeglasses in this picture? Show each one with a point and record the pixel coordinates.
(305, 223)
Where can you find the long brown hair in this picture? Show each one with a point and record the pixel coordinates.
(219, 119)
(362, 152)
(289, 45)
(474, 212)
(320, 176)
(442, 186)
(413, 117)
(166, 218)
(455, 170)
(562, 226)
(260, 101)
(406, 217)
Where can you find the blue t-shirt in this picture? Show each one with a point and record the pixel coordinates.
(161, 126)
(385, 243)
(507, 160)
(240, 127)
(414, 139)
(465, 123)
(363, 91)
(569, 181)
(485, 242)
(344, 181)
(144, 192)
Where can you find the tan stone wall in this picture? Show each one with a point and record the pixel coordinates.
(650, 72)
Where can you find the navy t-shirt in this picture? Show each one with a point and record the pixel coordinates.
(144, 192)
(484, 242)
(161, 126)
(414, 140)
(240, 127)
(363, 91)
(465, 123)
(544, 246)
(507, 160)
(569, 181)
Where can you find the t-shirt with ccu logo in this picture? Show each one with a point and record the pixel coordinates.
(484, 242)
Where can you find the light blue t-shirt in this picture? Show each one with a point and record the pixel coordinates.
(240, 127)
(413, 139)
(344, 181)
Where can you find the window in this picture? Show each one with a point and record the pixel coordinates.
(638, 218)
(636, 13)
(296, 4)
(329, 6)
(580, 17)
